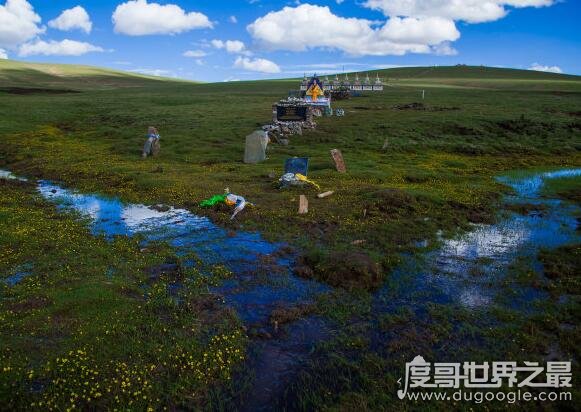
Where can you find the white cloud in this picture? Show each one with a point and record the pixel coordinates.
(70, 19)
(542, 68)
(195, 53)
(231, 46)
(292, 29)
(18, 23)
(233, 19)
(471, 11)
(219, 44)
(256, 65)
(444, 49)
(3, 54)
(57, 48)
(140, 18)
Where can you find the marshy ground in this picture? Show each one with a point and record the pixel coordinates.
(428, 246)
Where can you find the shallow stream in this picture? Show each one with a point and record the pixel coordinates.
(465, 270)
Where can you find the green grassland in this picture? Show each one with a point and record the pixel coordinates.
(439, 163)
(69, 77)
(436, 172)
(80, 330)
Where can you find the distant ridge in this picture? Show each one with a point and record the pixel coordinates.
(78, 77)
(470, 72)
(35, 75)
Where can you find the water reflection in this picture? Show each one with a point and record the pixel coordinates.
(470, 267)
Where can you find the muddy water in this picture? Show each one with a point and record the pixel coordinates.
(463, 271)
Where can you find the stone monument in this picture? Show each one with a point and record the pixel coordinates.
(255, 148)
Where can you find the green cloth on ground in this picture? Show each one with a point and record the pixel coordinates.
(214, 200)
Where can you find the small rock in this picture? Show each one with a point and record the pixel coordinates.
(160, 208)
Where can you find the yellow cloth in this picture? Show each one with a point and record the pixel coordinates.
(303, 178)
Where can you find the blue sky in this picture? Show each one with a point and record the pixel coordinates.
(252, 39)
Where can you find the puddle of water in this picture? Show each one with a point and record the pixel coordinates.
(469, 268)
(13, 280)
(466, 270)
(255, 291)
(19, 274)
(187, 232)
(5, 174)
(528, 185)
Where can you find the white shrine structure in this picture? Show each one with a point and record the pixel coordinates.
(346, 84)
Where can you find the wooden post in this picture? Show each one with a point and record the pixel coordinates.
(303, 205)
(338, 159)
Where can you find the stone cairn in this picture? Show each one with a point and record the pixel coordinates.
(280, 129)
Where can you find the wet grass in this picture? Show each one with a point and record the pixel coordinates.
(87, 328)
(566, 188)
(436, 174)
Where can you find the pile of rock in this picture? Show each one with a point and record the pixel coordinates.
(290, 116)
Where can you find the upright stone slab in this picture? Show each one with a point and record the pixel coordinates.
(338, 159)
(255, 148)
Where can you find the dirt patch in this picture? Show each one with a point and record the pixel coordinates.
(169, 271)
(281, 316)
(32, 90)
(526, 208)
(38, 302)
(349, 270)
(523, 126)
(473, 214)
(267, 265)
(320, 229)
(390, 202)
(460, 130)
(422, 107)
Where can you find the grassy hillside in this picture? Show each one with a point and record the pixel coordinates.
(64, 76)
(471, 72)
(415, 172)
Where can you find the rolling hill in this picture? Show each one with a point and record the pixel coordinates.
(77, 77)
(58, 76)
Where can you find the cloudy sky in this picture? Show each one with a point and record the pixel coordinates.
(214, 40)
